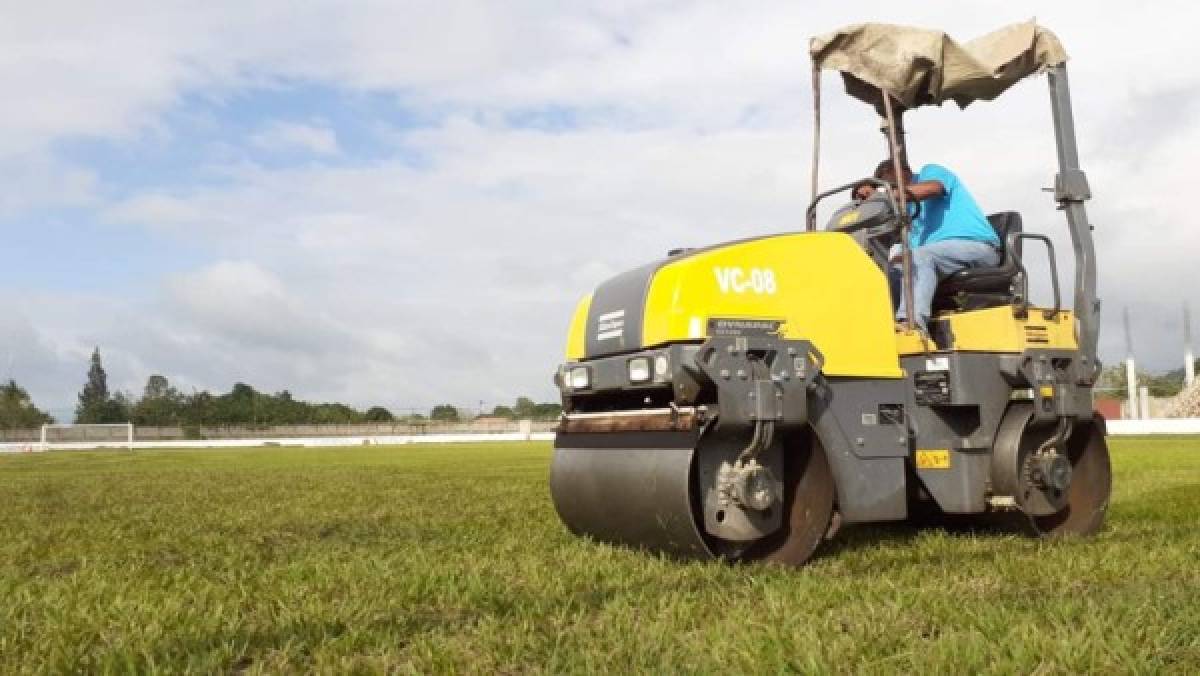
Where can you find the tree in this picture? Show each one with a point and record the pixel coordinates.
(17, 410)
(239, 406)
(118, 409)
(156, 386)
(199, 409)
(1112, 382)
(547, 411)
(94, 396)
(524, 408)
(378, 414)
(1164, 385)
(504, 412)
(444, 413)
(339, 414)
(160, 405)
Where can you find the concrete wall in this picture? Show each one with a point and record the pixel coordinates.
(278, 431)
(528, 432)
(299, 442)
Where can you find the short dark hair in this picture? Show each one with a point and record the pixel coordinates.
(886, 167)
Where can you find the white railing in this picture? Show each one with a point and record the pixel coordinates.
(1115, 428)
(1154, 426)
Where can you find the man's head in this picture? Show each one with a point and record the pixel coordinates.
(886, 171)
(883, 172)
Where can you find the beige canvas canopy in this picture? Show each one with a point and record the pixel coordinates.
(920, 66)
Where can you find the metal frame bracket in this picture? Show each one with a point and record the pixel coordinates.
(1071, 186)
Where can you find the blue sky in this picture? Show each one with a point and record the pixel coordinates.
(399, 204)
(192, 145)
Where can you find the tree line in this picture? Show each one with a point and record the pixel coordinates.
(1112, 382)
(163, 405)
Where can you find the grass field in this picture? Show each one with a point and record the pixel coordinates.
(450, 558)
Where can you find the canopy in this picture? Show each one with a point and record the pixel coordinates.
(920, 66)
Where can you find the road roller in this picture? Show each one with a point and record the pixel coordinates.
(741, 401)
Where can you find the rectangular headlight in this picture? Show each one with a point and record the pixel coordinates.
(662, 367)
(579, 378)
(639, 369)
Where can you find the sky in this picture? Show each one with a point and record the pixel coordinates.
(399, 203)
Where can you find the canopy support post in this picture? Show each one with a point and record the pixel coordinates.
(1070, 191)
(906, 224)
(816, 155)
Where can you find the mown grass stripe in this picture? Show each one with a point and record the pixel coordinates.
(450, 558)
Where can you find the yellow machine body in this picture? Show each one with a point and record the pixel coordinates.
(821, 287)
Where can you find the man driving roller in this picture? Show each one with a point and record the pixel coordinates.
(949, 233)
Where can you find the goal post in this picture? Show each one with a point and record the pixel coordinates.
(102, 435)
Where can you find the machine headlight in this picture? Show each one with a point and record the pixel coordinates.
(579, 378)
(639, 369)
(661, 366)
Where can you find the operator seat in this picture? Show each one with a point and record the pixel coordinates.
(988, 286)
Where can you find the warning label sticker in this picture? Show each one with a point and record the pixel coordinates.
(933, 459)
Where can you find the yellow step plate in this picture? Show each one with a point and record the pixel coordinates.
(997, 330)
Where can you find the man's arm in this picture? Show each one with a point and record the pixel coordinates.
(925, 190)
(916, 193)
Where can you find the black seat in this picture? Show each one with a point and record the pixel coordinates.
(989, 286)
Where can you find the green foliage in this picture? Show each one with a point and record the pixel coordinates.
(161, 404)
(95, 405)
(450, 559)
(1112, 382)
(547, 411)
(17, 410)
(243, 405)
(378, 414)
(525, 408)
(118, 409)
(341, 414)
(1164, 385)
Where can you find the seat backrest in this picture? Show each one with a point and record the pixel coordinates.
(1006, 222)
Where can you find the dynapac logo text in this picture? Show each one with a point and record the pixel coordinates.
(740, 280)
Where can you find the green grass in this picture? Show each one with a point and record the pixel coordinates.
(450, 558)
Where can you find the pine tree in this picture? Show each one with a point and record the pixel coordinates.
(93, 399)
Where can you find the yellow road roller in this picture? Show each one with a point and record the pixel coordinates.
(736, 401)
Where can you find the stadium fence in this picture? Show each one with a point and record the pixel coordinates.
(183, 433)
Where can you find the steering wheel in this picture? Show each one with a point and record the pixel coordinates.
(811, 213)
(913, 203)
(874, 221)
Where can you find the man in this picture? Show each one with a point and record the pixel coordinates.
(949, 233)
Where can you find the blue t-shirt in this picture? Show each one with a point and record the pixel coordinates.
(954, 215)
